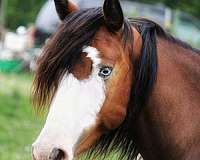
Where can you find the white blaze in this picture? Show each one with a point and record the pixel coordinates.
(74, 108)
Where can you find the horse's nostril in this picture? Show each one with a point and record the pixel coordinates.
(33, 156)
(57, 154)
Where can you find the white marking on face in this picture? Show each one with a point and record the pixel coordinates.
(93, 53)
(73, 110)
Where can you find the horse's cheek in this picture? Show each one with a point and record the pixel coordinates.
(113, 111)
(113, 117)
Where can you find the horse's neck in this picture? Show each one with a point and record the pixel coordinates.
(169, 126)
(179, 67)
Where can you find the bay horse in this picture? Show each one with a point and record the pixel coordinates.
(116, 86)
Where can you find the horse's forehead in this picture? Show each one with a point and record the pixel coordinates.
(108, 45)
(111, 46)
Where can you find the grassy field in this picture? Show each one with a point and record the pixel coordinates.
(19, 125)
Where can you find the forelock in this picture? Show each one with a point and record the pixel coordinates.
(63, 51)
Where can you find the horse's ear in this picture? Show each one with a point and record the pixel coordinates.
(64, 7)
(113, 15)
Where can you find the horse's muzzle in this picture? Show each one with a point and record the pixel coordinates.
(55, 154)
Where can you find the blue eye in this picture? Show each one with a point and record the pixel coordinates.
(105, 72)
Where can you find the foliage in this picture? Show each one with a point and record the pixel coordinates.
(20, 12)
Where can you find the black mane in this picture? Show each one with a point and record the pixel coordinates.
(78, 30)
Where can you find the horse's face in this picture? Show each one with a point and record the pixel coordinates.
(90, 100)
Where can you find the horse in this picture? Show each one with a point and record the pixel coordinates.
(114, 85)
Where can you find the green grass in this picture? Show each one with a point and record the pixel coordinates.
(19, 125)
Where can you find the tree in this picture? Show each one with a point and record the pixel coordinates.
(20, 12)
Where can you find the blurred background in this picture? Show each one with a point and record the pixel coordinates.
(26, 25)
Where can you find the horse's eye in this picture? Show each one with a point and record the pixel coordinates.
(105, 72)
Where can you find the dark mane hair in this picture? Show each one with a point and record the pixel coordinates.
(160, 32)
(64, 49)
